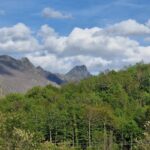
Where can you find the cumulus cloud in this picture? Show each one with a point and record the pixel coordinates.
(51, 40)
(63, 64)
(98, 48)
(17, 38)
(148, 23)
(49, 12)
(93, 42)
(147, 39)
(129, 27)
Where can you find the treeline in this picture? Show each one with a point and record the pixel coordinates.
(110, 111)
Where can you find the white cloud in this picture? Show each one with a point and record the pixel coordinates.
(51, 40)
(129, 27)
(98, 48)
(63, 64)
(55, 14)
(17, 38)
(95, 44)
(147, 39)
(90, 42)
(148, 23)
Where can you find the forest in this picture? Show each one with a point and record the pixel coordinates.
(110, 111)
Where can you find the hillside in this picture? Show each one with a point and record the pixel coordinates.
(110, 111)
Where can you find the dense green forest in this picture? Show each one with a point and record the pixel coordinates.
(110, 111)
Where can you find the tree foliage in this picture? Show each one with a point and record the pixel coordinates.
(108, 111)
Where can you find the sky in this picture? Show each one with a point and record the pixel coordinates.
(59, 34)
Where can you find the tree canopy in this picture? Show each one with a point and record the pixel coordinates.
(110, 111)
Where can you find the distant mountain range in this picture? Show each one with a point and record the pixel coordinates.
(21, 75)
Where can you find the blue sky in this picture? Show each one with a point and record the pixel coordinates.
(114, 33)
(86, 13)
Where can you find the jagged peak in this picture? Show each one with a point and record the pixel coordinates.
(81, 68)
(24, 59)
(17, 64)
(6, 57)
(26, 62)
(77, 73)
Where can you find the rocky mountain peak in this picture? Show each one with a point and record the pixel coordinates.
(9, 62)
(19, 75)
(25, 60)
(6, 57)
(12, 63)
(26, 64)
(77, 73)
(80, 68)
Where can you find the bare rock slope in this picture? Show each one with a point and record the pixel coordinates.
(19, 75)
(77, 73)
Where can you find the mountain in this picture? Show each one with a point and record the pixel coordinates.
(49, 76)
(19, 75)
(77, 73)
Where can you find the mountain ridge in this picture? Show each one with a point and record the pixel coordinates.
(19, 75)
(77, 73)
